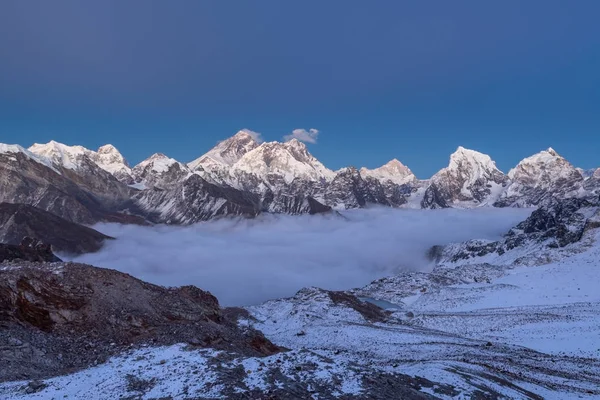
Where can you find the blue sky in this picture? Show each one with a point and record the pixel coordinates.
(383, 79)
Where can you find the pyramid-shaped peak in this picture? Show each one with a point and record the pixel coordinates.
(247, 135)
(545, 156)
(392, 166)
(157, 156)
(228, 151)
(547, 163)
(462, 155)
(468, 152)
(394, 162)
(393, 171)
(107, 149)
(288, 160)
(53, 144)
(159, 162)
(295, 143)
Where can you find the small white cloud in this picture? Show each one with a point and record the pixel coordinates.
(255, 135)
(303, 135)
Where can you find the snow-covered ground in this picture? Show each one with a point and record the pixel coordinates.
(469, 329)
(552, 308)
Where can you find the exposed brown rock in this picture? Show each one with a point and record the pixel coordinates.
(28, 250)
(66, 316)
(368, 310)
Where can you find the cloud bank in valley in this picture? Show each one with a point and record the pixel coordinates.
(245, 262)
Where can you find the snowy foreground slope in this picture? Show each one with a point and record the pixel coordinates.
(490, 326)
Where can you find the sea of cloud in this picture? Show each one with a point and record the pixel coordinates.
(245, 262)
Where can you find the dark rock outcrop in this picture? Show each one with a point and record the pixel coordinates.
(564, 222)
(434, 197)
(555, 225)
(20, 220)
(292, 204)
(349, 190)
(28, 250)
(62, 316)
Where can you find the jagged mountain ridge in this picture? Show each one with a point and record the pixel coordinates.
(72, 157)
(30, 179)
(241, 176)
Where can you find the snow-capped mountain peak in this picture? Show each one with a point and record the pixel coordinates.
(158, 162)
(393, 171)
(287, 160)
(60, 154)
(73, 157)
(469, 166)
(109, 149)
(542, 163)
(111, 160)
(295, 143)
(17, 149)
(540, 177)
(298, 150)
(160, 171)
(465, 158)
(227, 152)
(470, 178)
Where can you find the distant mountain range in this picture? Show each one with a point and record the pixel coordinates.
(242, 177)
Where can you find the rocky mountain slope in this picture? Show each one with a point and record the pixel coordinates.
(30, 179)
(159, 171)
(60, 316)
(21, 220)
(471, 179)
(28, 250)
(553, 226)
(215, 164)
(541, 177)
(588, 173)
(241, 176)
(195, 200)
(72, 157)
